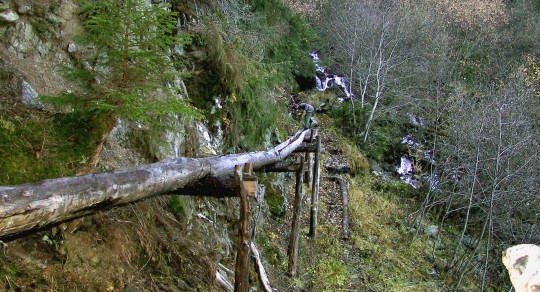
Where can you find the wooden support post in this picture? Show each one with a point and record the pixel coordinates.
(292, 250)
(248, 187)
(315, 191)
(305, 147)
(309, 160)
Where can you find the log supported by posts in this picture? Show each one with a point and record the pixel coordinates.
(36, 205)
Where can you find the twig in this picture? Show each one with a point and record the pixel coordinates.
(260, 268)
(223, 282)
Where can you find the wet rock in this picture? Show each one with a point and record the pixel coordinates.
(9, 16)
(432, 230)
(206, 147)
(325, 80)
(374, 165)
(415, 120)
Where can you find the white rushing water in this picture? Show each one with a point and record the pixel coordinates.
(325, 81)
(406, 170)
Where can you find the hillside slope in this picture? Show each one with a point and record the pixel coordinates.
(238, 70)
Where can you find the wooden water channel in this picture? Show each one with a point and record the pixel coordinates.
(31, 207)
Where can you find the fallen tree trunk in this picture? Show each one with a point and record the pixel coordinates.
(32, 206)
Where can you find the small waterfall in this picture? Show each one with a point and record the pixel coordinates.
(324, 80)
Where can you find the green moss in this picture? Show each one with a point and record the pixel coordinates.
(177, 207)
(36, 146)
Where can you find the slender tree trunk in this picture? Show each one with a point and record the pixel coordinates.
(104, 125)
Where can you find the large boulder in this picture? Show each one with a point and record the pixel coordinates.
(523, 265)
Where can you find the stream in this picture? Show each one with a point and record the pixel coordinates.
(415, 167)
(324, 80)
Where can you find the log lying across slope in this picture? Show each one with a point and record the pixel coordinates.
(30, 206)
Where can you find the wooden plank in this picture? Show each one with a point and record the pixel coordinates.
(306, 147)
(287, 166)
(249, 181)
(309, 160)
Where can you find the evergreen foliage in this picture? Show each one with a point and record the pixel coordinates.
(128, 62)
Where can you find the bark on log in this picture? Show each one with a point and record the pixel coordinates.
(220, 182)
(222, 281)
(35, 205)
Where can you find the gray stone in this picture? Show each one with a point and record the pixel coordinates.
(432, 230)
(338, 164)
(43, 48)
(9, 16)
(23, 40)
(67, 10)
(24, 9)
(374, 165)
(29, 96)
(71, 47)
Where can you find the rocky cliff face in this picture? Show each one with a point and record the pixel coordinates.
(151, 245)
(35, 37)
